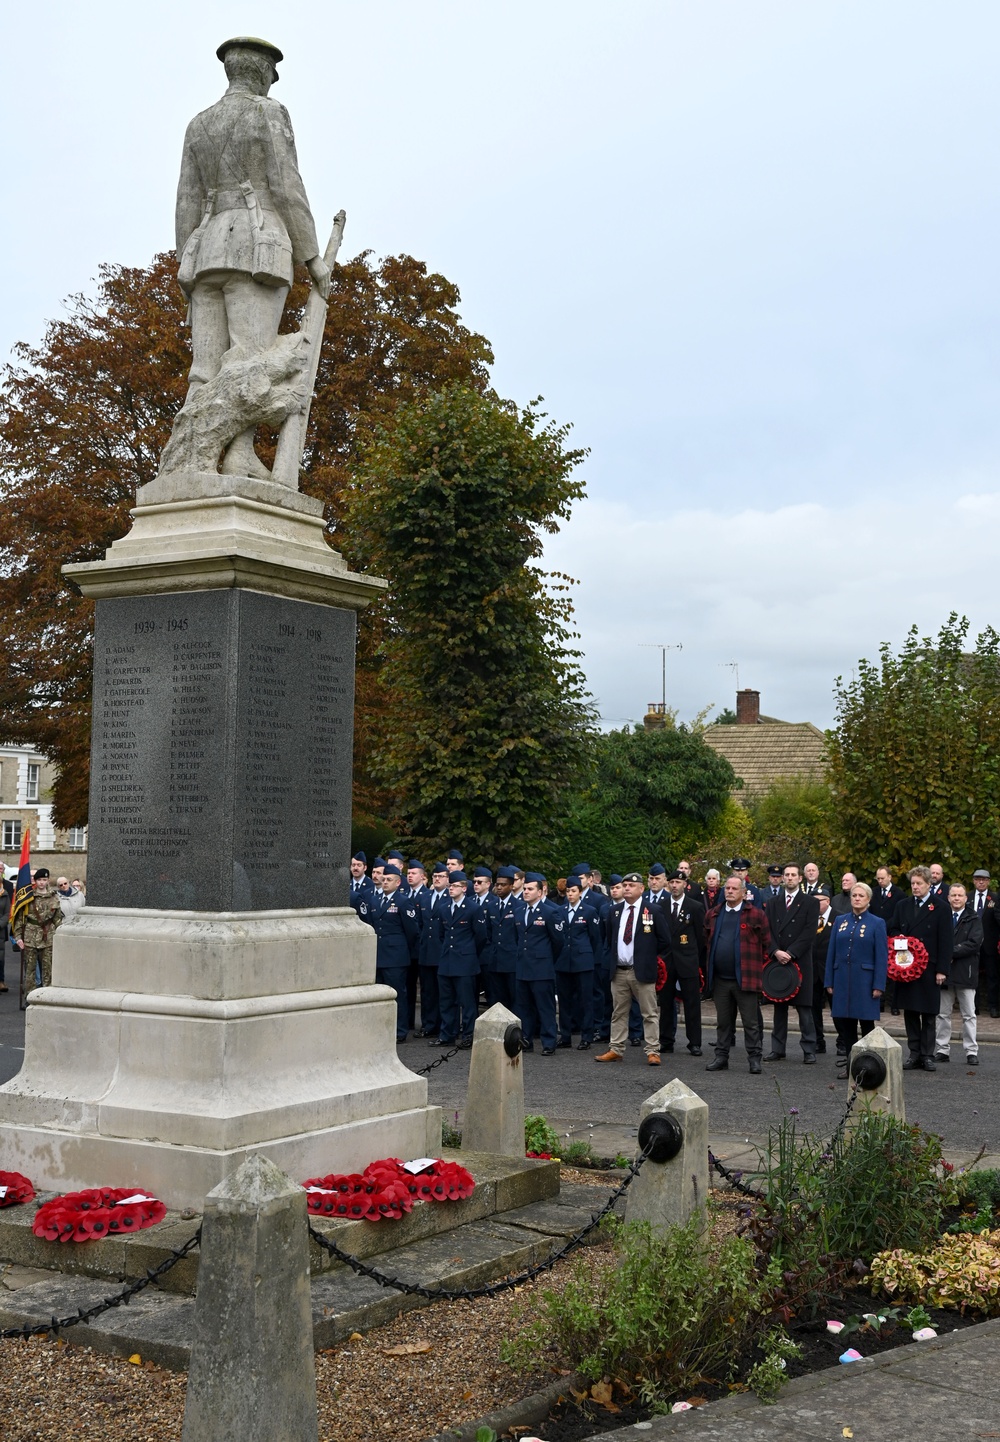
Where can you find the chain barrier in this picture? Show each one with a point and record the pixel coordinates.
(735, 1178)
(439, 1060)
(491, 1289)
(122, 1299)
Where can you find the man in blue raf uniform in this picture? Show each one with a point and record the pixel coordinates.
(575, 966)
(464, 928)
(506, 941)
(482, 897)
(394, 919)
(544, 938)
(361, 884)
(430, 952)
(416, 890)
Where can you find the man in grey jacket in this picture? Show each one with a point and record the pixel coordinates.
(242, 223)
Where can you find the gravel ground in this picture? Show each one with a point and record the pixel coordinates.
(51, 1390)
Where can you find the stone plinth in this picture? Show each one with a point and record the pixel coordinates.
(252, 1376)
(493, 1120)
(887, 1095)
(668, 1193)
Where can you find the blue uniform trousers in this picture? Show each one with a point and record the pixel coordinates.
(603, 1004)
(430, 1008)
(634, 1022)
(575, 990)
(457, 998)
(536, 1008)
(501, 987)
(395, 976)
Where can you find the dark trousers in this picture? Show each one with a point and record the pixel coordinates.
(396, 977)
(536, 1010)
(412, 981)
(457, 1000)
(988, 991)
(603, 1003)
(847, 1030)
(430, 1007)
(818, 1000)
(575, 990)
(690, 992)
(730, 999)
(779, 1029)
(501, 987)
(920, 1032)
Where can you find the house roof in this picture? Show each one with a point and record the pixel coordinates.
(769, 751)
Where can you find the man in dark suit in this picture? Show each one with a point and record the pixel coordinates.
(687, 946)
(841, 905)
(928, 919)
(792, 917)
(983, 903)
(939, 887)
(738, 942)
(362, 887)
(810, 878)
(821, 945)
(638, 933)
(692, 887)
(544, 939)
(967, 944)
(885, 896)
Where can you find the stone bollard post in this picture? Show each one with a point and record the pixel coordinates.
(493, 1120)
(668, 1193)
(253, 1372)
(877, 1065)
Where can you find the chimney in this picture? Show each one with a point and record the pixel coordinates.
(747, 707)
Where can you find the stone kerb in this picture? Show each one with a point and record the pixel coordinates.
(669, 1193)
(873, 1054)
(253, 1372)
(493, 1120)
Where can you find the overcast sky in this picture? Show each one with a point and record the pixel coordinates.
(748, 249)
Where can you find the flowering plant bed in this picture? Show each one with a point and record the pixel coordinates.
(387, 1190)
(14, 1189)
(97, 1212)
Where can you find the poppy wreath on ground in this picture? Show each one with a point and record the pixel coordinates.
(385, 1190)
(14, 1189)
(907, 970)
(98, 1212)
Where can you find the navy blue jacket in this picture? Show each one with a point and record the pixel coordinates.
(544, 939)
(584, 940)
(508, 935)
(365, 892)
(395, 922)
(464, 932)
(430, 937)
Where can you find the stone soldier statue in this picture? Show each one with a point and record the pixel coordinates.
(243, 221)
(34, 929)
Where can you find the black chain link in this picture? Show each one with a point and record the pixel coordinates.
(491, 1289)
(121, 1299)
(735, 1178)
(438, 1060)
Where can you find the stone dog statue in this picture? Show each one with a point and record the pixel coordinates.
(243, 222)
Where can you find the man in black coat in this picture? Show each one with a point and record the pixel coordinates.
(792, 917)
(821, 945)
(637, 932)
(967, 942)
(983, 904)
(885, 897)
(928, 919)
(687, 945)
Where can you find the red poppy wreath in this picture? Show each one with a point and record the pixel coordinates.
(95, 1213)
(386, 1190)
(14, 1189)
(910, 964)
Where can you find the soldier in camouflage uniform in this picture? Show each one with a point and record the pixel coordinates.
(34, 929)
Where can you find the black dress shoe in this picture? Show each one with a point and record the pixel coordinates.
(666, 1046)
(995, 1011)
(942, 1056)
(548, 1051)
(564, 1044)
(912, 1063)
(971, 1061)
(400, 1040)
(775, 1056)
(808, 1059)
(718, 1065)
(528, 1046)
(755, 1068)
(928, 1064)
(821, 1048)
(465, 1044)
(583, 1046)
(438, 1041)
(635, 1041)
(695, 1050)
(894, 1011)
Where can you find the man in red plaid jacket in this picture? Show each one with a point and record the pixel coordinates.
(737, 942)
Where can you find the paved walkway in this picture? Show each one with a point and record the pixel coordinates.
(920, 1392)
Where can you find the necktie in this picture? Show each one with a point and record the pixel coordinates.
(788, 899)
(677, 909)
(572, 914)
(628, 926)
(979, 901)
(954, 916)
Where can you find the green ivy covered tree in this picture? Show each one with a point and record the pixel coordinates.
(490, 717)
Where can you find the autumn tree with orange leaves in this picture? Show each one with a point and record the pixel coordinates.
(83, 418)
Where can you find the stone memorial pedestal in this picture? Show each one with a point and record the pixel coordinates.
(493, 1120)
(876, 1067)
(217, 996)
(669, 1193)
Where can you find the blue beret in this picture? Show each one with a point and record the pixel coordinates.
(535, 876)
(657, 869)
(391, 870)
(458, 876)
(582, 868)
(483, 871)
(360, 856)
(439, 866)
(506, 872)
(379, 861)
(455, 856)
(615, 879)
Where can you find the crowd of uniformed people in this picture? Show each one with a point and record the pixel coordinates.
(616, 965)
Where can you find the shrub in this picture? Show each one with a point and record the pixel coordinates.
(674, 1309)
(577, 1152)
(959, 1272)
(979, 1192)
(539, 1136)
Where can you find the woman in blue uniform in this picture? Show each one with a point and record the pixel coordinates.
(856, 965)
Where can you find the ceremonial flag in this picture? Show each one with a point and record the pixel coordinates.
(23, 891)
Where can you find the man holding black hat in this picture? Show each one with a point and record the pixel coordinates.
(983, 903)
(639, 934)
